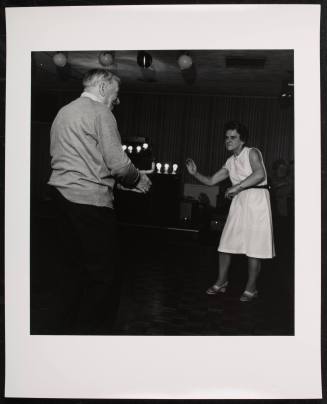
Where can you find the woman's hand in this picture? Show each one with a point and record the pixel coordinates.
(231, 192)
(191, 166)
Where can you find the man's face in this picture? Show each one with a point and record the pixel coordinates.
(233, 141)
(110, 92)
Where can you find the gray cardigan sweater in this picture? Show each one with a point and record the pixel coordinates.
(87, 155)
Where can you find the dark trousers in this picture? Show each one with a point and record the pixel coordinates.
(90, 282)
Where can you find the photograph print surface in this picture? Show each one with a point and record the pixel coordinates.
(173, 105)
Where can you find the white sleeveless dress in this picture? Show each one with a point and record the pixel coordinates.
(248, 229)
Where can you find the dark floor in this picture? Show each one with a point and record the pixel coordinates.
(164, 277)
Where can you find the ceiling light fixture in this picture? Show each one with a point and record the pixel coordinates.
(60, 59)
(106, 58)
(144, 59)
(184, 61)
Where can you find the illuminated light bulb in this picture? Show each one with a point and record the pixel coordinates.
(175, 166)
(158, 166)
(130, 148)
(166, 168)
(138, 149)
(124, 147)
(145, 146)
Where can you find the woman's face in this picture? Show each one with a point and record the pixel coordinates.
(232, 141)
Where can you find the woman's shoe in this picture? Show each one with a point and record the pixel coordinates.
(248, 296)
(214, 289)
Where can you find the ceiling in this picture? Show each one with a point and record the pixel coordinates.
(216, 72)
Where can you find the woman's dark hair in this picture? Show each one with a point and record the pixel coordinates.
(240, 129)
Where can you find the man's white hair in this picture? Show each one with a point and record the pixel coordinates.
(93, 77)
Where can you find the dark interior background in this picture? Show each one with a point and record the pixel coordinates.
(180, 118)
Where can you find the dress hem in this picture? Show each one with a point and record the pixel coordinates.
(244, 253)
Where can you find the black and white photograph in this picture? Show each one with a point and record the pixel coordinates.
(162, 192)
(163, 202)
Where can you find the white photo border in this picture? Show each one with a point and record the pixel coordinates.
(192, 367)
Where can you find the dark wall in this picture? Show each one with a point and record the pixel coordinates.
(181, 126)
(178, 126)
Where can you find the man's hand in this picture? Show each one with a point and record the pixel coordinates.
(122, 188)
(151, 171)
(144, 184)
(231, 192)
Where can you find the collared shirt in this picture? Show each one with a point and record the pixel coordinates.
(86, 153)
(91, 96)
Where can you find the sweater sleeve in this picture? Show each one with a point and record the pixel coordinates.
(117, 161)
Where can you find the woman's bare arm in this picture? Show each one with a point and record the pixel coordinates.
(219, 176)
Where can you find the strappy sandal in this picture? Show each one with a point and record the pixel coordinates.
(248, 296)
(214, 289)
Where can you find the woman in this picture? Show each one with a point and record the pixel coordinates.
(248, 228)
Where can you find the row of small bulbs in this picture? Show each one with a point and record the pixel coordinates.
(166, 167)
(160, 168)
(138, 148)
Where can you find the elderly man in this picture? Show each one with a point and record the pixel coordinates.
(86, 160)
